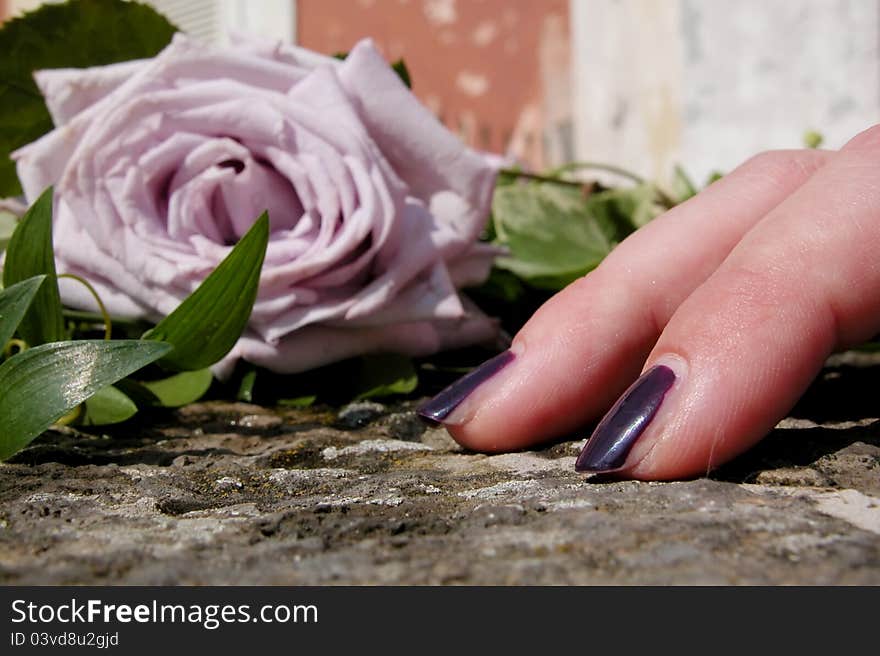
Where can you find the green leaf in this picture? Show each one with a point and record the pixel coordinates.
(508, 176)
(8, 222)
(552, 235)
(627, 201)
(140, 395)
(871, 346)
(714, 176)
(182, 388)
(624, 210)
(502, 285)
(813, 139)
(384, 374)
(40, 385)
(206, 325)
(76, 34)
(682, 186)
(399, 67)
(403, 72)
(246, 386)
(107, 406)
(646, 211)
(337, 383)
(299, 401)
(14, 302)
(30, 254)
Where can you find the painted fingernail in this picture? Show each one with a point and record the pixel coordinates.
(442, 405)
(619, 430)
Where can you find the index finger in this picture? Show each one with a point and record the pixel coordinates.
(582, 348)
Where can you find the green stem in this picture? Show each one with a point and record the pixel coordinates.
(108, 324)
(664, 198)
(537, 177)
(598, 166)
(553, 177)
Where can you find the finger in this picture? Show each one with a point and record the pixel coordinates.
(586, 344)
(739, 352)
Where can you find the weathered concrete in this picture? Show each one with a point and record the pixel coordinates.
(238, 494)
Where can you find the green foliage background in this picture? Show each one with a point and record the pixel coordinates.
(76, 34)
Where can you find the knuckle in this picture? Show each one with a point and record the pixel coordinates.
(740, 302)
(868, 140)
(780, 166)
(763, 286)
(754, 295)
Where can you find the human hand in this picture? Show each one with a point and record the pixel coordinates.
(728, 304)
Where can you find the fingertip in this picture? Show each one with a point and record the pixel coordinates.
(624, 440)
(451, 406)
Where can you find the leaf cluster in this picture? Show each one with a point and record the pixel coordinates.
(49, 376)
(556, 230)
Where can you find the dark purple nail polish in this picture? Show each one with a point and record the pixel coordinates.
(440, 407)
(618, 431)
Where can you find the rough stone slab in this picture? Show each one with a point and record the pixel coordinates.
(222, 493)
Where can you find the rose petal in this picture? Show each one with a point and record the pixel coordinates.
(456, 182)
(314, 346)
(472, 267)
(69, 91)
(374, 206)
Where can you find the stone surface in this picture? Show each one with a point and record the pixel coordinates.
(221, 493)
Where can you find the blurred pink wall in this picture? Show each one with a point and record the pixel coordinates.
(495, 71)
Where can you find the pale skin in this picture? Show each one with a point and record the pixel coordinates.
(743, 291)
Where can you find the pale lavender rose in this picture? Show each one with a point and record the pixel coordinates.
(160, 165)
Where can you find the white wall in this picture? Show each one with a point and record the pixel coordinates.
(707, 83)
(213, 20)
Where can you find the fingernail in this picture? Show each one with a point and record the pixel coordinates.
(619, 430)
(442, 405)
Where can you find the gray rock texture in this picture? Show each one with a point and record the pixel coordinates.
(221, 493)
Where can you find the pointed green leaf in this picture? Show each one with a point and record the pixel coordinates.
(8, 221)
(871, 346)
(682, 186)
(402, 71)
(714, 176)
(30, 254)
(107, 406)
(399, 67)
(646, 211)
(384, 374)
(246, 386)
(624, 210)
(180, 389)
(627, 208)
(64, 35)
(14, 302)
(299, 401)
(40, 385)
(140, 395)
(206, 325)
